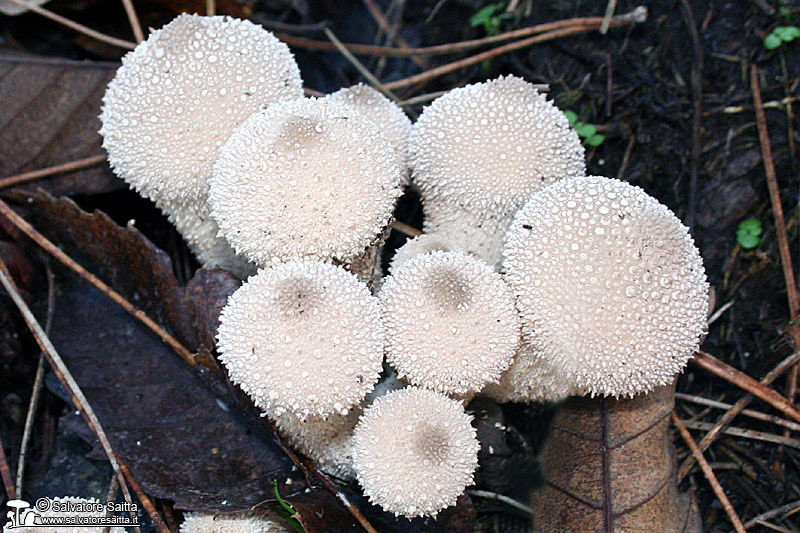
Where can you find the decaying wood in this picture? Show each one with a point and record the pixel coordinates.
(609, 465)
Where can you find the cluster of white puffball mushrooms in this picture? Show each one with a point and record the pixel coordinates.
(532, 282)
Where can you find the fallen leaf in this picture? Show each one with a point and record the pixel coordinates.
(49, 117)
(609, 466)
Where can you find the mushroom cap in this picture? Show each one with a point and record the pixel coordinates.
(487, 147)
(415, 452)
(326, 441)
(530, 378)
(478, 234)
(391, 120)
(305, 179)
(201, 233)
(62, 503)
(421, 244)
(451, 325)
(265, 521)
(609, 285)
(304, 337)
(179, 95)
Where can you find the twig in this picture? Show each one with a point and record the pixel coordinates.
(718, 313)
(709, 473)
(65, 377)
(697, 112)
(37, 382)
(405, 229)
(758, 415)
(50, 171)
(745, 382)
(379, 17)
(5, 473)
(747, 434)
(778, 511)
(589, 23)
(134, 20)
(52, 249)
(211, 8)
(737, 408)
(780, 222)
(80, 28)
(360, 518)
(609, 15)
(375, 82)
(501, 498)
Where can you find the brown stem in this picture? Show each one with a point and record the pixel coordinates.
(50, 171)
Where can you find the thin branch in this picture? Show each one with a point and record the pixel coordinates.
(405, 229)
(37, 382)
(63, 168)
(52, 249)
(5, 473)
(747, 434)
(80, 28)
(745, 382)
(379, 17)
(737, 408)
(789, 508)
(375, 82)
(709, 473)
(758, 415)
(211, 8)
(136, 26)
(501, 498)
(608, 17)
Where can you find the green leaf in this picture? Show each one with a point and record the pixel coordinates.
(750, 225)
(747, 241)
(787, 33)
(595, 140)
(772, 42)
(572, 117)
(484, 15)
(586, 130)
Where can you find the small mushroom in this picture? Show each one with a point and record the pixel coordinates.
(175, 101)
(421, 244)
(388, 116)
(263, 521)
(451, 325)
(609, 284)
(415, 452)
(305, 179)
(478, 153)
(303, 337)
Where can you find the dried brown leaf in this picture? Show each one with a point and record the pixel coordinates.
(610, 466)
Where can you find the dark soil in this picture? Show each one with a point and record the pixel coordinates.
(635, 84)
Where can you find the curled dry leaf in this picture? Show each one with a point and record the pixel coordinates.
(609, 466)
(49, 117)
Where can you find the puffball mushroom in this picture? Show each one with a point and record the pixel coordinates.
(451, 325)
(391, 120)
(609, 285)
(64, 507)
(174, 102)
(303, 337)
(481, 150)
(261, 522)
(421, 244)
(309, 179)
(415, 452)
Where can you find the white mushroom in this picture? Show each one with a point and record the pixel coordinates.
(451, 325)
(415, 452)
(305, 179)
(421, 244)
(304, 337)
(609, 284)
(264, 521)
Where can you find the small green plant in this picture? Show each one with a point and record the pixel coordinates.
(490, 17)
(748, 235)
(286, 511)
(587, 132)
(780, 35)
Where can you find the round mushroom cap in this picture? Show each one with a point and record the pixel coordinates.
(326, 441)
(415, 452)
(487, 147)
(609, 285)
(305, 179)
(451, 324)
(67, 506)
(265, 521)
(480, 235)
(304, 337)
(391, 120)
(531, 378)
(178, 96)
(421, 244)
